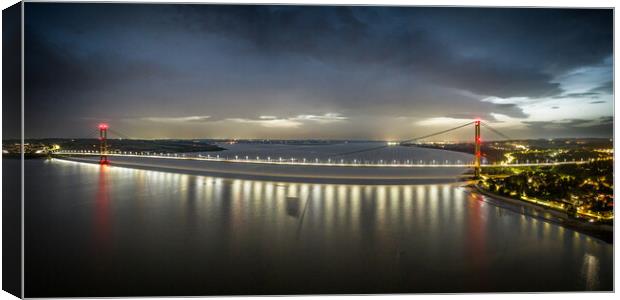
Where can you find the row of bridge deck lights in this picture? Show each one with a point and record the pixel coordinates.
(280, 159)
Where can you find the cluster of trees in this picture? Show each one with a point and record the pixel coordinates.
(591, 184)
(568, 155)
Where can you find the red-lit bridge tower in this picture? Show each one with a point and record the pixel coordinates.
(103, 144)
(477, 153)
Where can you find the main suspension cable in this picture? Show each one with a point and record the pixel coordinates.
(434, 134)
(403, 142)
(496, 131)
(119, 134)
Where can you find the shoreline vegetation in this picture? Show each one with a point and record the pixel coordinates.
(601, 231)
(584, 191)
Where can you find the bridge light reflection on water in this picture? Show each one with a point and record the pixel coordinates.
(330, 199)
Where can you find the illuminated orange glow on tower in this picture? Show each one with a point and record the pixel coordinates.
(103, 144)
(477, 152)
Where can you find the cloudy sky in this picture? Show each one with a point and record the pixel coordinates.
(205, 71)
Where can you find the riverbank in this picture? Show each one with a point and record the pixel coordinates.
(601, 231)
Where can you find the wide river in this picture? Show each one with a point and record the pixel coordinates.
(110, 231)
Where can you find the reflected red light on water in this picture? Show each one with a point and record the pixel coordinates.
(102, 210)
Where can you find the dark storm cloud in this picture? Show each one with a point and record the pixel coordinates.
(397, 38)
(578, 95)
(510, 109)
(196, 65)
(11, 72)
(606, 88)
(60, 84)
(594, 93)
(76, 72)
(507, 109)
(600, 127)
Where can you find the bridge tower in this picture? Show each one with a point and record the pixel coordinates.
(103, 144)
(477, 152)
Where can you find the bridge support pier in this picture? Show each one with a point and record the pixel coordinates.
(477, 152)
(103, 144)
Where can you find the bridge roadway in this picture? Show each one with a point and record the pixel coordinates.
(336, 163)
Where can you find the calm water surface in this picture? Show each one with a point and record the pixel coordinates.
(108, 231)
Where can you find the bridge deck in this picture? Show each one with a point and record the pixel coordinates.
(335, 163)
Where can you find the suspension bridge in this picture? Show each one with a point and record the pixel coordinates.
(341, 159)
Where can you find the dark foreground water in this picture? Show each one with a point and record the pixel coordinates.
(109, 231)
